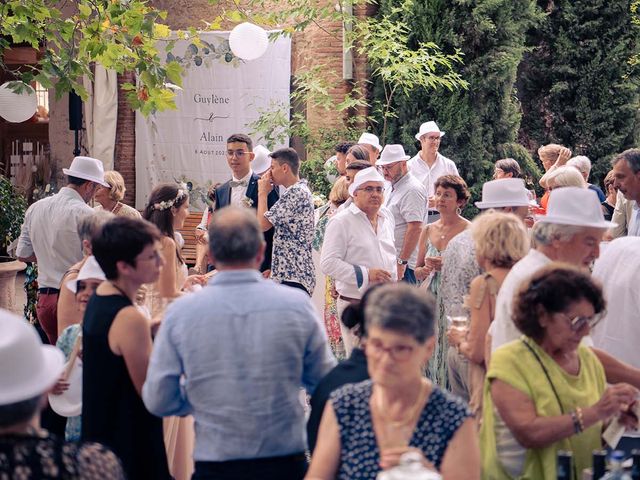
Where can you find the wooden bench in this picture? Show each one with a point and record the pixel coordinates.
(189, 235)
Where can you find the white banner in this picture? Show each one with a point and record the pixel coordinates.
(221, 95)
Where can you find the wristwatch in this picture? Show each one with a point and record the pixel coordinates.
(403, 262)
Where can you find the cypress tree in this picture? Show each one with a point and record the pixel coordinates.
(575, 86)
(481, 122)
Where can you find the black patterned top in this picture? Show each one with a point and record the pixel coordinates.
(293, 219)
(40, 455)
(441, 417)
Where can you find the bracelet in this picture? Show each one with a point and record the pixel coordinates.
(580, 418)
(576, 422)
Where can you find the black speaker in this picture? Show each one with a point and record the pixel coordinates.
(75, 112)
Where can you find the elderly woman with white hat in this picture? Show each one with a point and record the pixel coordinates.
(28, 370)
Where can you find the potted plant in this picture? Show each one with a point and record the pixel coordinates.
(12, 208)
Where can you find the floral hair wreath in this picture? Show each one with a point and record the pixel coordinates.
(160, 206)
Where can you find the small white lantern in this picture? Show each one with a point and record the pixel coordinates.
(248, 41)
(16, 107)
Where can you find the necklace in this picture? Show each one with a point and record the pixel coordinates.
(412, 412)
(119, 289)
(116, 207)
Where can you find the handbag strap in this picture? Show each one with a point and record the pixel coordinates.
(546, 372)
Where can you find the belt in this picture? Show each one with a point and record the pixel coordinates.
(49, 291)
(349, 299)
(433, 212)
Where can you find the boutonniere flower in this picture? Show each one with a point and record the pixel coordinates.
(247, 202)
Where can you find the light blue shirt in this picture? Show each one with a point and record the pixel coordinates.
(234, 355)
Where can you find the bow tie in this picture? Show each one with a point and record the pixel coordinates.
(240, 183)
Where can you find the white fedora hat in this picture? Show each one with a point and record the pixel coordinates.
(87, 168)
(69, 402)
(575, 206)
(370, 174)
(370, 139)
(27, 367)
(505, 192)
(392, 154)
(428, 127)
(261, 161)
(90, 269)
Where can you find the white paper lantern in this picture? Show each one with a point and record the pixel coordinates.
(248, 41)
(15, 107)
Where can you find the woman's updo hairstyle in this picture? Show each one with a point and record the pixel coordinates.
(353, 315)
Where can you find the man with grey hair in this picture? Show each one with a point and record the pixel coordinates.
(234, 356)
(626, 171)
(570, 232)
(583, 165)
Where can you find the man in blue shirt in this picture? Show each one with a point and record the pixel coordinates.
(234, 356)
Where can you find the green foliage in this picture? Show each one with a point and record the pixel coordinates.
(577, 86)
(120, 34)
(481, 121)
(12, 209)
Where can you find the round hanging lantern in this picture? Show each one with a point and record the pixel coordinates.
(248, 41)
(17, 107)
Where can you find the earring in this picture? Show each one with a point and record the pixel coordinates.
(458, 210)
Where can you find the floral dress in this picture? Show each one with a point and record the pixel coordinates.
(437, 368)
(331, 320)
(66, 341)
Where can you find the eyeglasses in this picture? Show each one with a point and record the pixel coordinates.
(399, 353)
(431, 139)
(372, 189)
(236, 153)
(578, 322)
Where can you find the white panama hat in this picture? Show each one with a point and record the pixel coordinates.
(369, 174)
(27, 367)
(87, 168)
(575, 206)
(505, 192)
(428, 127)
(391, 154)
(370, 139)
(261, 161)
(90, 269)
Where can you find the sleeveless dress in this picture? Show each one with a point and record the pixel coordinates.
(112, 411)
(441, 417)
(437, 369)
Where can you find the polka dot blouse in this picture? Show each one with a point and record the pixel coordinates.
(441, 417)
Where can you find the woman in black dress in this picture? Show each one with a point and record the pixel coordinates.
(116, 348)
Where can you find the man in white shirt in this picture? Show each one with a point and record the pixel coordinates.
(358, 247)
(428, 165)
(626, 171)
(407, 202)
(49, 235)
(571, 232)
(372, 143)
